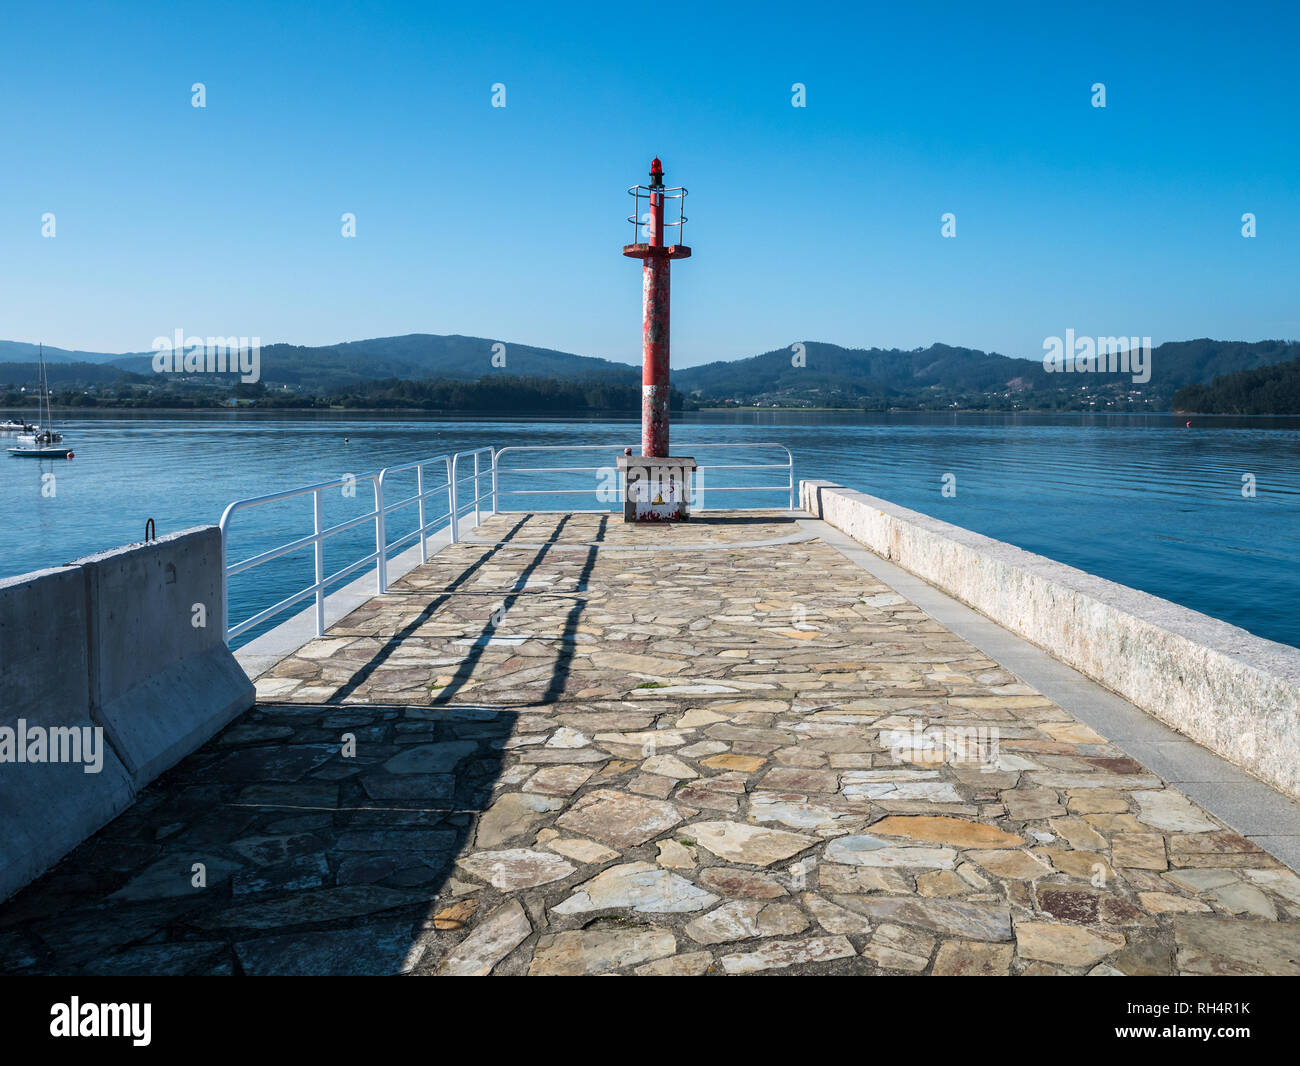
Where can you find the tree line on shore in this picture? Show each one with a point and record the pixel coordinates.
(497, 395)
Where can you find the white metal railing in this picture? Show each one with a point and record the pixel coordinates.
(475, 479)
(449, 479)
(377, 515)
(616, 492)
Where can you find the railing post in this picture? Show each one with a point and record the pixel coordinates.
(225, 588)
(476, 512)
(319, 545)
(381, 537)
(419, 491)
(451, 484)
(494, 480)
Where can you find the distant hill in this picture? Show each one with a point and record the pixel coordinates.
(417, 356)
(22, 352)
(935, 378)
(1268, 390)
(903, 377)
(829, 372)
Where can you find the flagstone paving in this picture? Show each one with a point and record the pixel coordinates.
(573, 746)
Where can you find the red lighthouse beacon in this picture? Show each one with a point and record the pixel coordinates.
(657, 485)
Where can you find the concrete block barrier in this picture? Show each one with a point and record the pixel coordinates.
(48, 802)
(122, 652)
(162, 679)
(1232, 692)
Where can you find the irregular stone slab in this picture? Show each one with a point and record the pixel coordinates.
(640, 886)
(896, 948)
(697, 717)
(512, 815)
(1018, 865)
(568, 738)
(745, 919)
(1140, 851)
(749, 844)
(515, 868)
(748, 884)
(1222, 848)
(782, 953)
(692, 964)
(419, 788)
(701, 795)
(675, 855)
(710, 747)
(550, 756)
(293, 875)
(457, 916)
(1032, 804)
(558, 780)
(1168, 903)
(320, 905)
(1242, 898)
(832, 877)
(1078, 834)
(1199, 881)
(974, 921)
(1167, 809)
(958, 832)
(1144, 958)
(795, 811)
(154, 960)
(423, 843)
(872, 851)
(834, 918)
(587, 851)
(1065, 945)
(623, 663)
(899, 785)
(972, 958)
(1087, 906)
(619, 819)
(799, 779)
(431, 758)
(1082, 864)
(1072, 733)
(358, 952)
(942, 883)
(1284, 882)
(173, 877)
(599, 950)
(729, 761)
(668, 766)
(1214, 945)
(495, 937)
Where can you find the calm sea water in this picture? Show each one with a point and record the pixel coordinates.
(1142, 500)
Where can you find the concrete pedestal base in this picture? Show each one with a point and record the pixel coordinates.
(658, 488)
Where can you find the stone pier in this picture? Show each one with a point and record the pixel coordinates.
(570, 745)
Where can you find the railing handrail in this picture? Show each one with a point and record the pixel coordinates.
(683, 449)
(377, 514)
(456, 510)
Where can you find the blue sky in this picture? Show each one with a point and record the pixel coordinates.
(820, 223)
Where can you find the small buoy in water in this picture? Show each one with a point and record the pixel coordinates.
(345, 440)
(1189, 424)
(70, 455)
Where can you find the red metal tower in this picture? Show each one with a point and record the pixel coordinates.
(655, 293)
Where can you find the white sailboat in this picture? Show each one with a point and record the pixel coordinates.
(42, 443)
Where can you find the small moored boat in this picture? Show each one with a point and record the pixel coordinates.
(48, 451)
(38, 443)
